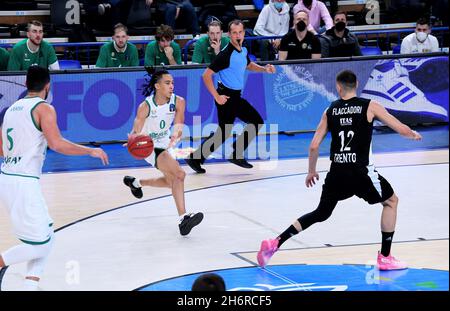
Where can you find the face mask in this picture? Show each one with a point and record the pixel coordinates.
(301, 25)
(421, 36)
(340, 26)
(278, 5)
(307, 3)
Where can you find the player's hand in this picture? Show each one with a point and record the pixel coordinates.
(269, 68)
(221, 99)
(416, 136)
(311, 179)
(99, 153)
(173, 141)
(129, 136)
(168, 51)
(148, 2)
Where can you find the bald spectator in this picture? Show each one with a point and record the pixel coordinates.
(163, 51)
(272, 21)
(4, 57)
(209, 282)
(299, 43)
(317, 12)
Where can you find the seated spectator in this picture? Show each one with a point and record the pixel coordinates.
(163, 51)
(119, 52)
(174, 10)
(209, 282)
(299, 43)
(222, 10)
(317, 12)
(339, 41)
(207, 48)
(272, 21)
(33, 51)
(420, 41)
(4, 57)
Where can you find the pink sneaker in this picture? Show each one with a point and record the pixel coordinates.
(266, 251)
(390, 263)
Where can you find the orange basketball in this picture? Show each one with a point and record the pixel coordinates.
(140, 146)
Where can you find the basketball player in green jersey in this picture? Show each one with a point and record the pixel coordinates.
(28, 127)
(154, 117)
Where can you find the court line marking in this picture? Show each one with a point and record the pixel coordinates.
(3, 270)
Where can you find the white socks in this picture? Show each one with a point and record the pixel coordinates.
(136, 183)
(182, 217)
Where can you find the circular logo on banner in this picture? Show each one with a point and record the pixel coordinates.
(292, 88)
(315, 278)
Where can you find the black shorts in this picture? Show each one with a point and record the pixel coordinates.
(343, 182)
(158, 151)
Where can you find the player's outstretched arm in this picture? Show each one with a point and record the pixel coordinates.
(376, 110)
(139, 120)
(319, 135)
(45, 117)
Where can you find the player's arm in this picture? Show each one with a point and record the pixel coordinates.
(1, 143)
(377, 111)
(45, 117)
(269, 68)
(209, 83)
(142, 114)
(320, 134)
(178, 122)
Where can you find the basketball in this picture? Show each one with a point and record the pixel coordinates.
(140, 146)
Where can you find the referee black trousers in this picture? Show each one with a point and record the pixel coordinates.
(235, 107)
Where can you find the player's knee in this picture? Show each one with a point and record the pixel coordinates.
(180, 175)
(392, 202)
(322, 215)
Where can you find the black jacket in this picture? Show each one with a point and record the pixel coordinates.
(334, 46)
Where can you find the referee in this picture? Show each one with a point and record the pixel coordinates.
(230, 64)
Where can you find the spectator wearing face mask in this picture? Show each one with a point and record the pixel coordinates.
(420, 41)
(272, 21)
(299, 43)
(317, 12)
(339, 41)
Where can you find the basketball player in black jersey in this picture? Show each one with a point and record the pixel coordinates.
(350, 121)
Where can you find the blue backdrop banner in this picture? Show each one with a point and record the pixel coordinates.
(101, 106)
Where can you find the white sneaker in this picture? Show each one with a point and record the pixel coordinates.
(389, 84)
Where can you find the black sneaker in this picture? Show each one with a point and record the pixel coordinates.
(195, 165)
(137, 192)
(241, 162)
(190, 221)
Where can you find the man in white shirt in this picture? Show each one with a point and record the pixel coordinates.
(272, 21)
(421, 41)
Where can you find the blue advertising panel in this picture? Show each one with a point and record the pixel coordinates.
(101, 106)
